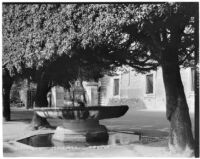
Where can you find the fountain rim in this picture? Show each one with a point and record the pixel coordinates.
(80, 108)
(103, 112)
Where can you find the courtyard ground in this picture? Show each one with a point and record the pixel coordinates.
(148, 123)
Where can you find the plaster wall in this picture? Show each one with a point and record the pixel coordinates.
(132, 86)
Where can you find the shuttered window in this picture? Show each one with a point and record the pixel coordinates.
(116, 87)
(149, 84)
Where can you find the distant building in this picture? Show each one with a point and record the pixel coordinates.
(138, 91)
(143, 91)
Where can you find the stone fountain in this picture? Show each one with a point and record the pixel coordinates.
(82, 123)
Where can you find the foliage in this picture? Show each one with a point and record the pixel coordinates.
(139, 34)
(45, 37)
(104, 34)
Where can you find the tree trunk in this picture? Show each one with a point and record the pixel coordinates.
(41, 101)
(7, 84)
(180, 136)
(41, 92)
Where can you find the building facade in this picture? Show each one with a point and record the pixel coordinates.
(143, 91)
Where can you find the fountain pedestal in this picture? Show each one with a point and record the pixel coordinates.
(81, 130)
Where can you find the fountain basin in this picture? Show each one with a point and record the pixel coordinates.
(95, 112)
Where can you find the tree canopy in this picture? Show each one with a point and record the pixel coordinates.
(37, 36)
(139, 34)
(116, 34)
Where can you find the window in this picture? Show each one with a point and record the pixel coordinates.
(192, 78)
(149, 84)
(116, 87)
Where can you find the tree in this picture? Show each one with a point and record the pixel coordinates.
(7, 83)
(170, 29)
